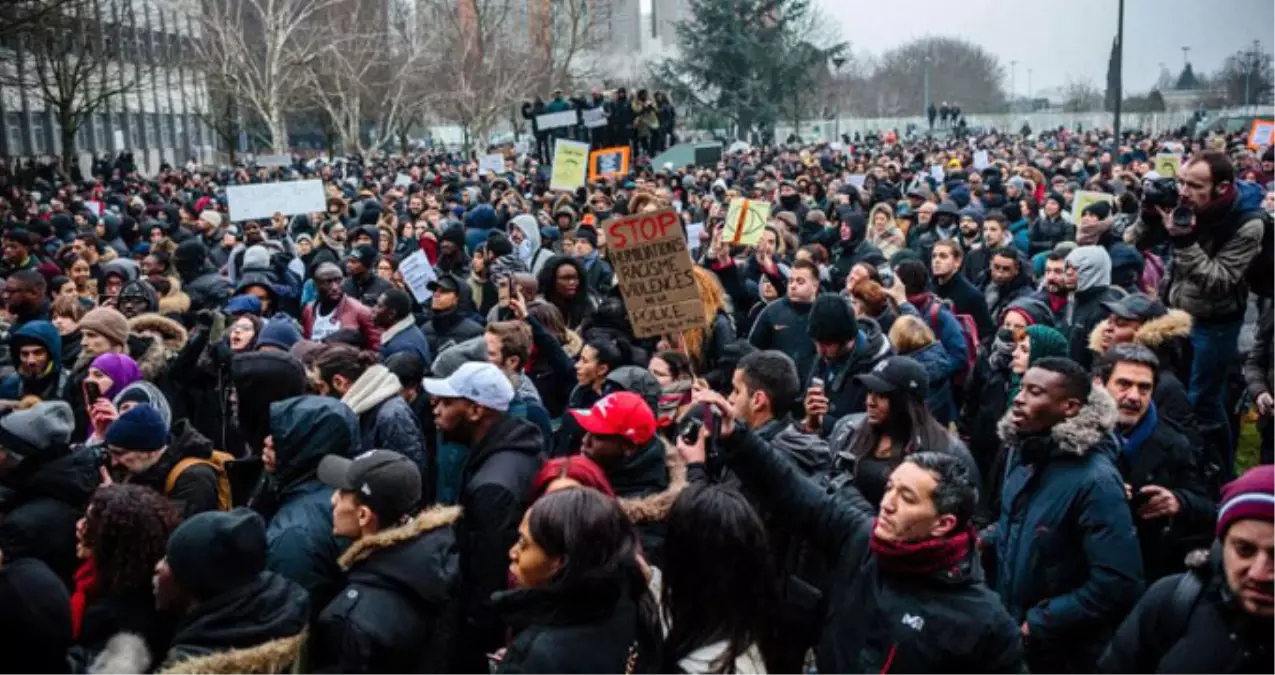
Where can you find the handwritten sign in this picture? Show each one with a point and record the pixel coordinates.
(570, 165)
(608, 162)
(263, 200)
(566, 118)
(593, 118)
(655, 273)
(1168, 165)
(1261, 134)
(745, 221)
(1084, 198)
(417, 273)
(494, 163)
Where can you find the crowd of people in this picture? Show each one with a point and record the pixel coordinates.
(936, 418)
(645, 123)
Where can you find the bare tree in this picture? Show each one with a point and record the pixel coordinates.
(960, 72)
(1081, 95)
(62, 60)
(484, 71)
(19, 16)
(259, 51)
(1246, 77)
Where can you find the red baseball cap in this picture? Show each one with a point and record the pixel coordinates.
(620, 414)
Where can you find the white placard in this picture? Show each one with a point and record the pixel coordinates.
(254, 202)
(857, 179)
(417, 273)
(693, 231)
(274, 160)
(494, 163)
(593, 118)
(936, 172)
(981, 160)
(566, 118)
(402, 180)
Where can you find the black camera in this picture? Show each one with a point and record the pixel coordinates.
(1160, 193)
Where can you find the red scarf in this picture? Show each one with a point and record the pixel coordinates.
(85, 581)
(921, 557)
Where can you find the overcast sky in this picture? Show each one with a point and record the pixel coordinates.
(1062, 40)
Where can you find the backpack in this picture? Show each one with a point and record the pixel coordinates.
(969, 333)
(218, 462)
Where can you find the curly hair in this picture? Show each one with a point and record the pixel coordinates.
(127, 527)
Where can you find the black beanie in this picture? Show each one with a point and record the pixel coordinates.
(1100, 210)
(832, 320)
(1013, 212)
(215, 552)
(191, 251)
(498, 244)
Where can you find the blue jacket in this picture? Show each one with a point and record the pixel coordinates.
(1065, 550)
(479, 223)
(939, 398)
(408, 339)
(299, 540)
(948, 332)
(1021, 230)
(48, 386)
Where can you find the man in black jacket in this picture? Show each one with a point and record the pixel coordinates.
(139, 448)
(504, 454)
(1090, 267)
(403, 572)
(1168, 494)
(449, 323)
(1216, 617)
(845, 347)
(951, 285)
(1007, 280)
(362, 284)
(907, 594)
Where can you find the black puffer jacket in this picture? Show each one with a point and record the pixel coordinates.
(643, 474)
(398, 608)
(1216, 635)
(1045, 233)
(845, 395)
(50, 495)
(878, 621)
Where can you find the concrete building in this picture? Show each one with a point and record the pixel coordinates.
(665, 14)
(160, 114)
(618, 26)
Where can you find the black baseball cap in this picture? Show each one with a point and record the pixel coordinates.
(1136, 307)
(896, 373)
(387, 482)
(446, 282)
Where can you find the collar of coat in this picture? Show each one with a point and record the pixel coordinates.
(433, 518)
(654, 508)
(393, 331)
(1152, 334)
(375, 386)
(275, 656)
(1075, 436)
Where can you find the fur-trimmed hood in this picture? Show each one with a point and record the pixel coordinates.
(1079, 434)
(153, 341)
(430, 519)
(654, 508)
(176, 301)
(275, 656)
(172, 333)
(1153, 334)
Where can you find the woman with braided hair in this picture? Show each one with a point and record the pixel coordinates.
(121, 537)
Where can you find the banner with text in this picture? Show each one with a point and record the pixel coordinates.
(566, 118)
(570, 165)
(263, 200)
(654, 270)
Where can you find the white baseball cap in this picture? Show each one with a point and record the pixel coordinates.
(482, 383)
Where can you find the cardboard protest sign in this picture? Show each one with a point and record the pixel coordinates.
(593, 118)
(494, 163)
(417, 273)
(570, 165)
(609, 162)
(1260, 134)
(1084, 198)
(1168, 165)
(263, 200)
(566, 118)
(654, 270)
(745, 221)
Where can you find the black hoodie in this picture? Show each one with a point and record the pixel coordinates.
(51, 493)
(497, 483)
(267, 609)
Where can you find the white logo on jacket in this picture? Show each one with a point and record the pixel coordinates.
(916, 623)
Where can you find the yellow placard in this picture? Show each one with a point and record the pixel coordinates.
(1168, 165)
(570, 165)
(745, 221)
(1084, 198)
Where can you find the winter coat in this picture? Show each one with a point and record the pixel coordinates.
(784, 326)
(448, 328)
(948, 331)
(1045, 233)
(640, 475)
(397, 610)
(966, 299)
(405, 336)
(939, 397)
(367, 290)
(207, 289)
(1064, 550)
(256, 628)
(386, 421)
(845, 394)
(296, 506)
(877, 621)
(350, 314)
(50, 494)
(35, 626)
(120, 612)
(1160, 454)
(496, 491)
(552, 370)
(1020, 230)
(195, 489)
(1258, 367)
(1207, 278)
(48, 386)
(588, 630)
(599, 278)
(1087, 310)
(1215, 636)
(986, 399)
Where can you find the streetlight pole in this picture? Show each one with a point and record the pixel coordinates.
(1013, 66)
(1029, 86)
(926, 111)
(1248, 68)
(837, 62)
(1115, 122)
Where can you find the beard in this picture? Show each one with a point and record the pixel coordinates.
(459, 435)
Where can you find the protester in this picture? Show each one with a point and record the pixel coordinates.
(182, 470)
(370, 390)
(784, 324)
(334, 310)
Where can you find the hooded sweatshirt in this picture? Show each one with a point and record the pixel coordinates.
(47, 385)
(386, 421)
(1093, 281)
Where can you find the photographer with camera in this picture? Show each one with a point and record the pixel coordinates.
(1216, 230)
